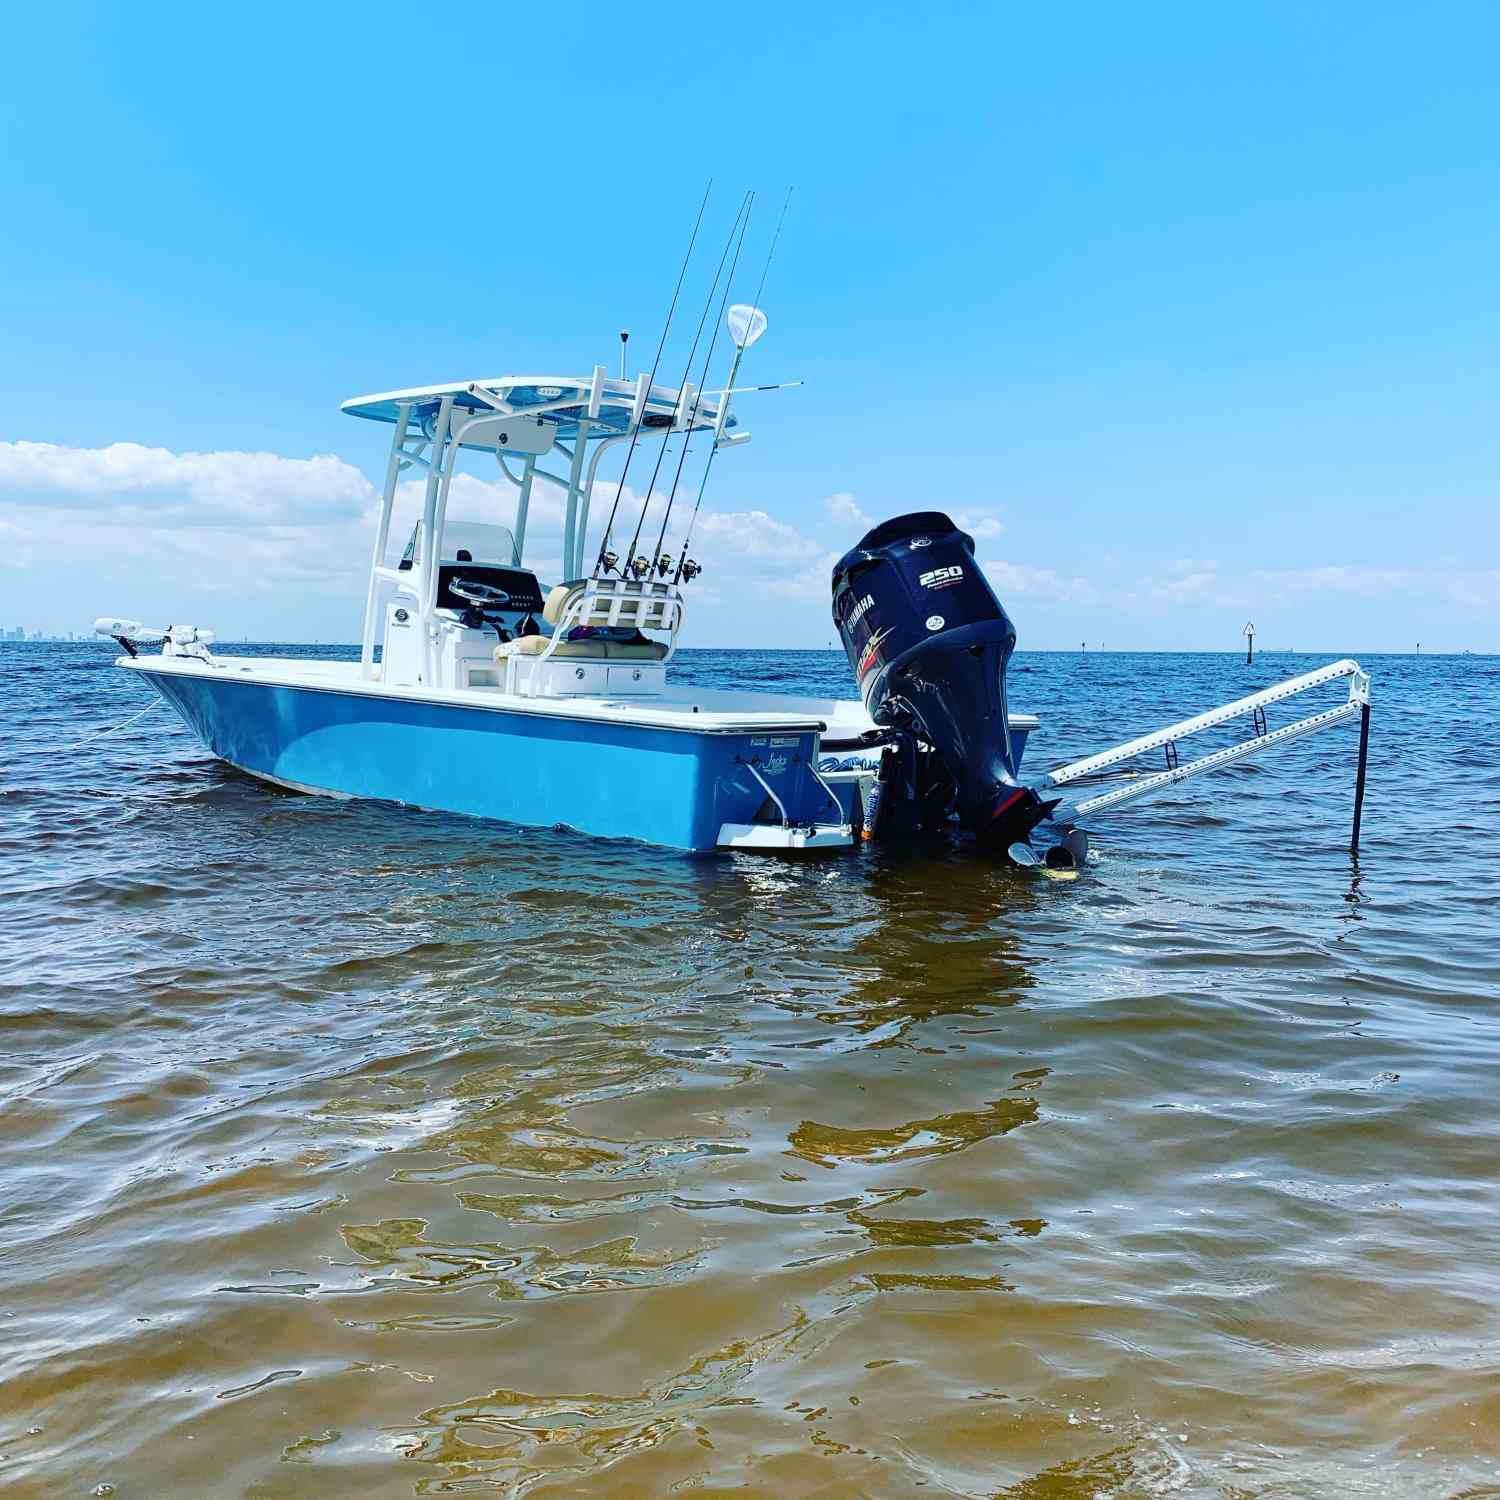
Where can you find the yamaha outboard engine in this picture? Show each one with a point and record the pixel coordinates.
(929, 644)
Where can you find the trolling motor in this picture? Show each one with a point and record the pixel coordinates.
(929, 643)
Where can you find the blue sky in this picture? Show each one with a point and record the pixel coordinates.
(1192, 312)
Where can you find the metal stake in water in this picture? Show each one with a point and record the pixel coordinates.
(1359, 778)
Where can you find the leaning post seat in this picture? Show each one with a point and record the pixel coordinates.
(603, 603)
(536, 645)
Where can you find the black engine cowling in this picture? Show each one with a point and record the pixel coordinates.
(929, 643)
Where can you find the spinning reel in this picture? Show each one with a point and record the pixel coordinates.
(641, 568)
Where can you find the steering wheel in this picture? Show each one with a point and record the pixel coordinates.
(481, 597)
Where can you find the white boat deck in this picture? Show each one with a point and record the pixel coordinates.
(699, 710)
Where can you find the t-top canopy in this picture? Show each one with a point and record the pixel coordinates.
(562, 401)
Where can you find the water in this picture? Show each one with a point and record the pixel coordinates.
(352, 1151)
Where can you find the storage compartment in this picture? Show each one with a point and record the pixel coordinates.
(636, 677)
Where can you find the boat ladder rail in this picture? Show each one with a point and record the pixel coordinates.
(1357, 705)
(789, 834)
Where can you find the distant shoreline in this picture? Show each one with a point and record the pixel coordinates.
(226, 648)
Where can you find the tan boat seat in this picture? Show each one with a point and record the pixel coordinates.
(631, 609)
(631, 650)
(534, 645)
(557, 599)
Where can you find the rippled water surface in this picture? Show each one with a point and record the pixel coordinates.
(346, 1150)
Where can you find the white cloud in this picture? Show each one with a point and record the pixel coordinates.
(1009, 578)
(983, 526)
(1195, 581)
(754, 535)
(842, 508)
(1476, 590)
(294, 534)
(204, 489)
(13, 550)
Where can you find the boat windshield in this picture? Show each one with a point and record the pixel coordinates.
(466, 541)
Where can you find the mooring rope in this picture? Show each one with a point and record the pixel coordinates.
(88, 739)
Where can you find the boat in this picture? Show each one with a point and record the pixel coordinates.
(480, 691)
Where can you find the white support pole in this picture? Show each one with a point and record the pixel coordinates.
(642, 396)
(523, 504)
(1359, 692)
(571, 542)
(582, 538)
(490, 398)
(382, 539)
(721, 418)
(437, 490)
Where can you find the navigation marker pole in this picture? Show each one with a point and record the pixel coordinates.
(1249, 641)
(624, 339)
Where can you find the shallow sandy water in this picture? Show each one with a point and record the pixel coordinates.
(348, 1150)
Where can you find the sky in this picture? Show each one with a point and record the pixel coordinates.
(1191, 314)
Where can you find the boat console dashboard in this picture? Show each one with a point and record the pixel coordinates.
(519, 585)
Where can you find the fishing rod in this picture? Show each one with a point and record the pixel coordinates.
(659, 563)
(744, 329)
(743, 214)
(599, 562)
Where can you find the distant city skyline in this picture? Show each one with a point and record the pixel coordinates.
(22, 633)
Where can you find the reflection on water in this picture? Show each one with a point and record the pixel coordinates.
(827, 1145)
(351, 1151)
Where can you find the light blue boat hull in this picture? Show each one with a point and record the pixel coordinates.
(664, 786)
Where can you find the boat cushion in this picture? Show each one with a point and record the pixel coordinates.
(534, 645)
(635, 650)
(557, 600)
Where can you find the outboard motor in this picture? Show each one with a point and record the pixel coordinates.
(929, 644)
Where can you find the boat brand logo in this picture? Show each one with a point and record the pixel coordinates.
(774, 765)
(920, 541)
(935, 622)
(858, 612)
(941, 578)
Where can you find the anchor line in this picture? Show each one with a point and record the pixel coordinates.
(651, 380)
(88, 739)
(739, 354)
(708, 302)
(744, 224)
